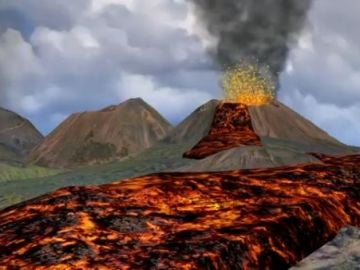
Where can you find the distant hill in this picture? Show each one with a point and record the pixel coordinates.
(18, 137)
(94, 137)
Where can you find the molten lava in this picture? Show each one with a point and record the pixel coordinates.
(249, 84)
(231, 127)
(251, 219)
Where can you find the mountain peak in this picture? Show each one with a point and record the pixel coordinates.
(112, 133)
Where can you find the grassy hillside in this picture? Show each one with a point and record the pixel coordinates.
(9, 172)
(9, 156)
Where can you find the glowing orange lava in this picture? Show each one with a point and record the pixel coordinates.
(251, 219)
(231, 127)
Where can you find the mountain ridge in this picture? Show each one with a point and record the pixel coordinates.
(18, 136)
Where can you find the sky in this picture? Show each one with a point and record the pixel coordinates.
(58, 57)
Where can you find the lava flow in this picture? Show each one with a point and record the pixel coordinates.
(250, 219)
(231, 127)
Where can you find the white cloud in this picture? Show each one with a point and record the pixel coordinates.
(17, 58)
(69, 56)
(170, 101)
(79, 55)
(342, 123)
(324, 67)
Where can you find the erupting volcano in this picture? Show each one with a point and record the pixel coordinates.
(249, 115)
(239, 219)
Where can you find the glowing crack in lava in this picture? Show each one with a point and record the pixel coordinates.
(250, 219)
(249, 84)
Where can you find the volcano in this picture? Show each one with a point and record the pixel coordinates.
(251, 219)
(244, 137)
(18, 137)
(112, 133)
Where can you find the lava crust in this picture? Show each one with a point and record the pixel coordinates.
(251, 219)
(231, 127)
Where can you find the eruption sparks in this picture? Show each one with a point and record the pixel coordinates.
(249, 84)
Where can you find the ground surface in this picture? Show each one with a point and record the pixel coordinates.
(250, 219)
(341, 253)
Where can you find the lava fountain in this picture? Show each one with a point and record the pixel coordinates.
(249, 84)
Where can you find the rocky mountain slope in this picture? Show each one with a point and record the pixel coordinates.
(112, 133)
(18, 137)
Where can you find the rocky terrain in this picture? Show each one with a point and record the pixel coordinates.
(18, 137)
(343, 252)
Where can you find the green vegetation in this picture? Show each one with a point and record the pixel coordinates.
(162, 157)
(9, 172)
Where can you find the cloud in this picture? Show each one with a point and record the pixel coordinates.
(61, 56)
(338, 121)
(173, 102)
(80, 52)
(322, 78)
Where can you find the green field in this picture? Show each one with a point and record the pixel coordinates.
(9, 173)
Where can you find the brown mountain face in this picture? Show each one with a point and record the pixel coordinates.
(101, 136)
(18, 137)
(251, 219)
(194, 127)
(276, 120)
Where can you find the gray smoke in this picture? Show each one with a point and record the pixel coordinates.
(253, 29)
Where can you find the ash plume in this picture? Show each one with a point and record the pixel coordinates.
(253, 29)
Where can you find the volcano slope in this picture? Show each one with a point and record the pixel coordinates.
(271, 135)
(231, 127)
(250, 219)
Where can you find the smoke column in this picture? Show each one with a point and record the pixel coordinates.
(253, 29)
